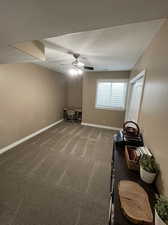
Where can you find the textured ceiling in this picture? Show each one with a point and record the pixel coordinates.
(115, 48)
(26, 20)
(22, 20)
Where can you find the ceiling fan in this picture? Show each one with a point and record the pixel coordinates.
(77, 63)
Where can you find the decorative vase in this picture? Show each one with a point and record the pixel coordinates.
(158, 220)
(146, 176)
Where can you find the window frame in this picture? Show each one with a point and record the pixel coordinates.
(112, 81)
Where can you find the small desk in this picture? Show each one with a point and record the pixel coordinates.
(78, 113)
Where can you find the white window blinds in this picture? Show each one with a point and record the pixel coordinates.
(111, 94)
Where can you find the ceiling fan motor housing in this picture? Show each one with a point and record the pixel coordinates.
(76, 55)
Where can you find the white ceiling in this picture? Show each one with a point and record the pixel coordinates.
(22, 20)
(109, 49)
(26, 20)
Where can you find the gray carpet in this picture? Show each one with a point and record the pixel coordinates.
(60, 177)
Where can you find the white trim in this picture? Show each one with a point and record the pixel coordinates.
(115, 80)
(140, 75)
(100, 126)
(110, 108)
(8, 147)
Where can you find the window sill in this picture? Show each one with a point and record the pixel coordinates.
(112, 109)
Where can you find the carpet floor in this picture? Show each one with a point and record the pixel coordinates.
(60, 177)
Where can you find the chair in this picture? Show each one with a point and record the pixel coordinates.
(78, 114)
(71, 115)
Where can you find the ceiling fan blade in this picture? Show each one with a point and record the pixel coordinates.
(78, 58)
(88, 67)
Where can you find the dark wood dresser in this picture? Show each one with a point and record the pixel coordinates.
(120, 171)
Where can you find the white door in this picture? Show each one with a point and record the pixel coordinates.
(135, 99)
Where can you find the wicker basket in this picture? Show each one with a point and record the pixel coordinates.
(130, 157)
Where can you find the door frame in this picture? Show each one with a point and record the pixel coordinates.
(130, 86)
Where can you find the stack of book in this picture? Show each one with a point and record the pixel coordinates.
(143, 151)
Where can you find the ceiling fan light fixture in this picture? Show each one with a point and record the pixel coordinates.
(75, 72)
(77, 63)
(72, 72)
(80, 71)
(80, 64)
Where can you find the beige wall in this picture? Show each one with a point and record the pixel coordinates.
(99, 116)
(154, 111)
(31, 98)
(74, 91)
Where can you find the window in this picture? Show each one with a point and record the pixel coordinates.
(111, 94)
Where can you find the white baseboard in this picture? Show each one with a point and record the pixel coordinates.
(6, 148)
(101, 126)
